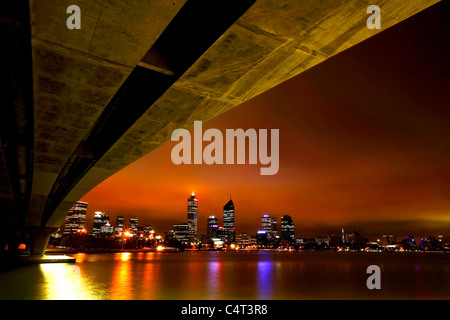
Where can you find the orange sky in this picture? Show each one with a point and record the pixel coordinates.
(364, 144)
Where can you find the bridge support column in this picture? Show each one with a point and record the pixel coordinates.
(34, 241)
(39, 238)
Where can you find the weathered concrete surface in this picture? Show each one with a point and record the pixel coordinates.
(76, 73)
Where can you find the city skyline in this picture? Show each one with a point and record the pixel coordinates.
(225, 159)
(267, 223)
(346, 160)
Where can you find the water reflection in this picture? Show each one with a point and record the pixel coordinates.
(203, 275)
(150, 279)
(80, 257)
(121, 287)
(123, 256)
(64, 282)
(420, 284)
(265, 280)
(214, 282)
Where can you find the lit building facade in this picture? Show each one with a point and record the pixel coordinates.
(106, 230)
(211, 228)
(287, 229)
(222, 234)
(181, 232)
(133, 224)
(274, 226)
(148, 230)
(228, 221)
(100, 220)
(262, 239)
(76, 218)
(266, 224)
(119, 228)
(192, 217)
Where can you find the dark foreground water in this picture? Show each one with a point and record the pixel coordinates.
(232, 275)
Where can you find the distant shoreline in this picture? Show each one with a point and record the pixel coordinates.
(73, 251)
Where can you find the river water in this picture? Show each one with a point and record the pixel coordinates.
(232, 275)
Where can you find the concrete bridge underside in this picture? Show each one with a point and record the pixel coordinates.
(79, 105)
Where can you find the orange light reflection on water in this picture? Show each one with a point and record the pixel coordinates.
(63, 281)
(151, 277)
(120, 285)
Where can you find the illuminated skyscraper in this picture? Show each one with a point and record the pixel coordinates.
(270, 226)
(181, 232)
(266, 224)
(76, 218)
(261, 239)
(133, 226)
(287, 229)
(211, 228)
(106, 231)
(274, 226)
(100, 220)
(119, 227)
(228, 221)
(148, 231)
(192, 217)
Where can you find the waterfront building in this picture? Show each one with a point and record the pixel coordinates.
(243, 240)
(76, 218)
(181, 232)
(274, 226)
(192, 211)
(389, 239)
(119, 227)
(266, 224)
(148, 231)
(211, 227)
(222, 234)
(106, 230)
(228, 222)
(100, 219)
(133, 226)
(287, 229)
(262, 239)
(322, 240)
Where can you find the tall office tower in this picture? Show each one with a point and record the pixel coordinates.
(211, 228)
(228, 221)
(192, 217)
(222, 234)
(266, 224)
(261, 239)
(274, 226)
(181, 232)
(390, 239)
(76, 218)
(133, 226)
(287, 229)
(118, 231)
(106, 230)
(100, 219)
(148, 230)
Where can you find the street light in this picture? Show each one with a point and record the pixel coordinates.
(124, 235)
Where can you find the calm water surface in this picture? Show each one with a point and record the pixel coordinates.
(232, 275)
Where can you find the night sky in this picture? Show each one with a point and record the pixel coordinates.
(364, 145)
